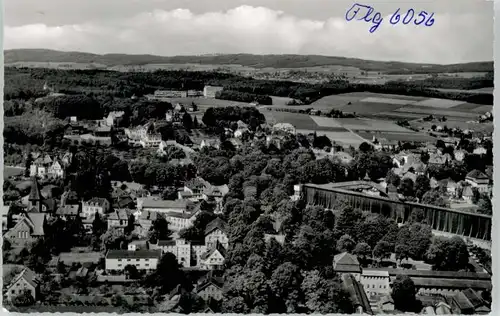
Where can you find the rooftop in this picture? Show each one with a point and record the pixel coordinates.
(138, 254)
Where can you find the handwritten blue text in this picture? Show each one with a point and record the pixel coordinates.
(368, 14)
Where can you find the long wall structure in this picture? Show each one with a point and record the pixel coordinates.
(441, 219)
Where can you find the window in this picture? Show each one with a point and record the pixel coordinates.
(119, 265)
(119, 259)
(147, 264)
(137, 259)
(13, 291)
(128, 259)
(146, 259)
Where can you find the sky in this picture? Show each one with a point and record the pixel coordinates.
(462, 32)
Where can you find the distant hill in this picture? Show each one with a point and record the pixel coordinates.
(248, 60)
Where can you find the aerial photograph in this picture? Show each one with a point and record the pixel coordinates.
(248, 156)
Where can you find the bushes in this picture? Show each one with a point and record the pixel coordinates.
(244, 97)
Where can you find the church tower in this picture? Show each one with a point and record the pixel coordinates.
(35, 198)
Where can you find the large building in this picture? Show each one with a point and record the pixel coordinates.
(463, 223)
(211, 91)
(117, 260)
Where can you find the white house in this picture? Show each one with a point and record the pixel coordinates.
(180, 248)
(55, 170)
(20, 283)
(117, 260)
(375, 282)
(93, 206)
(211, 91)
(155, 204)
(479, 180)
(214, 258)
(113, 116)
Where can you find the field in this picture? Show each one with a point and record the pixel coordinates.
(9, 171)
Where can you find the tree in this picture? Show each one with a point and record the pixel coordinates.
(422, 185)
(424, 157)
(29, 161)
(448, 254)
(285, 283)
(406, 187)
(365, 147)
(393, 179)
(195, 123)
(187, 121)
(434, 197)
(383, 249)
(159, 230)
(170, 193)
(485, 206)
(130, 224)
(363, 250)
(112, 239)
(345, 243)
(325, 296)
(403, 293)
(98, 226)
(24, 299)
(167, 274)
(131, 272)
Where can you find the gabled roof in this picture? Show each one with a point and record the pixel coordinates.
(217, 223)
(28, 275)
(345, 258)
(476, 174)
(473, 297)
(216, 281)
(218, 247)
(357, 293)
(37, 221)
(166, 204)
(119, 214)
(97, 201)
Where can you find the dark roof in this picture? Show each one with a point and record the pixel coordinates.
(166, 243)
(437, 274)
(473, 297)
(217, 223)
(27, 275)
(35, 192)
(476, 174)
(218, 247)
(452, 283)
(357, 293)
(138, 254)
(216, 281)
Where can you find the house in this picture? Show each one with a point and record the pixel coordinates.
(155, 204)
(137, 133)
(214, 258)
(56, 170)
(180, 248)
(117, 260)
(21, 282)
(342, 156)
(150, 140)
(68, 212)
(210, 143)
(216, 232)
(179, 221)
(375, 282)
(210, 288)
(114, 117)
(119, 219)
(141, 244)
(478, 180)
(211, 91)
(95, 205)
(467, 194)
(285, 128)
(468, 302)
(358, 296)
(193, 189)
(27, 230)
(409, 175)
(345, 263)
(438, 159)
(36, 201)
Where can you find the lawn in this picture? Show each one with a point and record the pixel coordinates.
(372, 125)
(280, 100)
(438, 103)
(12, 171)
(341, 138)
(387, 101)
(468, 106)
(368, 108)
(299, 121)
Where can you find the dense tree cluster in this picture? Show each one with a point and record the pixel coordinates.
(244, 97)
(226, 116)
